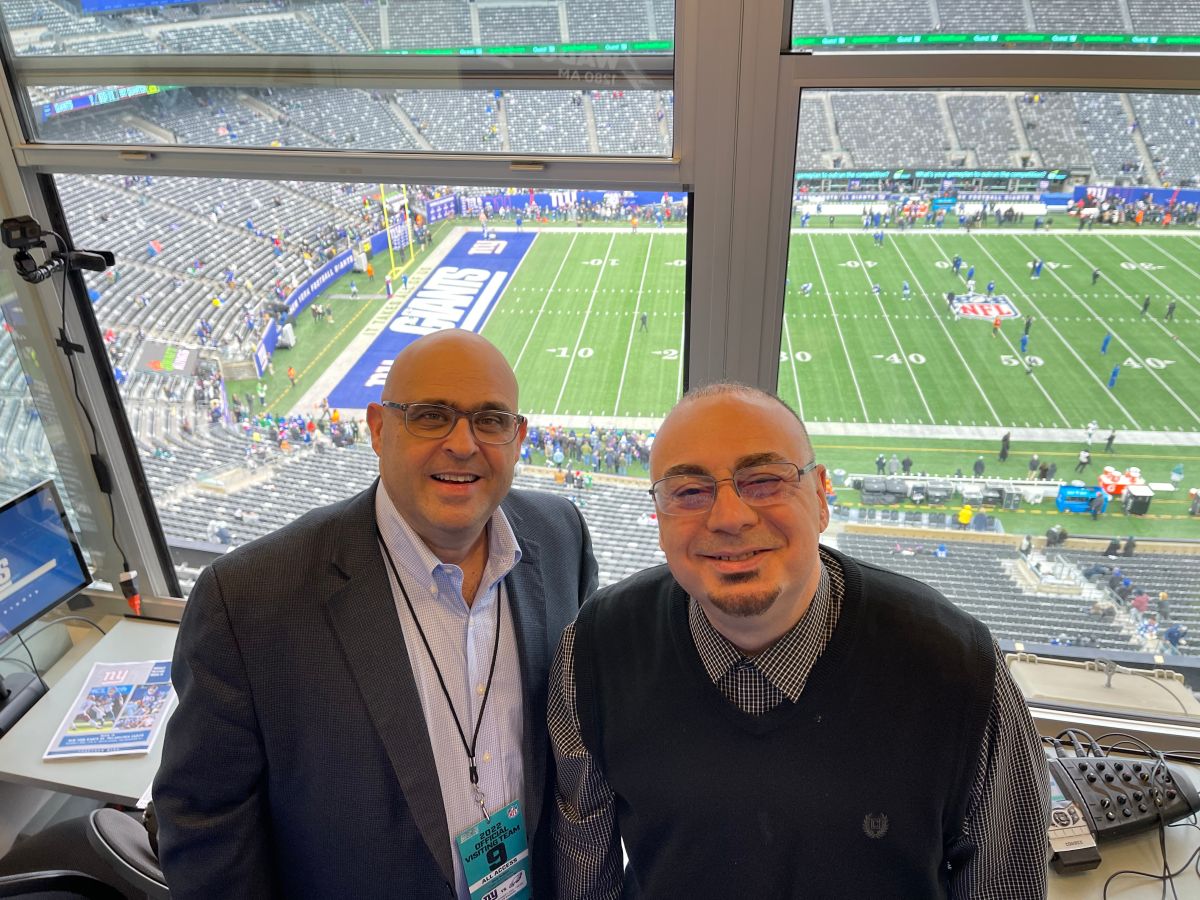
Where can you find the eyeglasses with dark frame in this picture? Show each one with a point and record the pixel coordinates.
(433, 420)
(759, 485)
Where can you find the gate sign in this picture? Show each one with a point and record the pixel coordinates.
(981, 306)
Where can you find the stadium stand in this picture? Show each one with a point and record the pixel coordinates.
(1053, 128)
(613, 20)
(365, 16)
(205, 39)
(954, 15)
(454, 120)
(1169, 125)
(1099, 16)
(812, 134)
(428, 23)
(1106, 130)
(1165, 16)
(811, 17)
(880, 17)
(295, 37)
(629, 122)
(501, 25)
(342, 117)
(663, 21)
(984, 124)
(540, 122)
(1154, 572)
(978, 579)
(335, 22)
(866, 123)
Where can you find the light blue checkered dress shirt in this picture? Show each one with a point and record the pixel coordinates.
(461, 637)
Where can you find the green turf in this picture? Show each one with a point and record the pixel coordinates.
(570, 323)
(318, 342)
(850, 356)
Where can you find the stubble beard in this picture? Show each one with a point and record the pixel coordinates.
(742, 605)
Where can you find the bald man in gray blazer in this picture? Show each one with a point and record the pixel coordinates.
(313, 753)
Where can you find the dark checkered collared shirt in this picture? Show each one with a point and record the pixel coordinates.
(1006, 816)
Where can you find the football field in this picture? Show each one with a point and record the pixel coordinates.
(851, 355)
(571, 323)
(593, 322)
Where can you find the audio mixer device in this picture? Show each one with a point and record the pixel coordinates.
(1098, 796)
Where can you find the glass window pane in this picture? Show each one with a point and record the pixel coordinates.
(997, 24)
(574, 122)
(440, 27)
(26, 456)
(220, 281)
(1000, 309)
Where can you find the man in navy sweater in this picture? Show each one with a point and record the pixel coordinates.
(766, 717)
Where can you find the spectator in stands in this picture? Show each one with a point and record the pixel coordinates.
(1026, 545)
(334, 606)
(1130, 545)
(1115, 579)
(1114, 547)
(1176, 636)
(755, 602)
(1125, 589)
(964, 516)
(1164, 606)
(1095, 570)
(1140, 601)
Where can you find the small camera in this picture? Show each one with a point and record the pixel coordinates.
(21, 233)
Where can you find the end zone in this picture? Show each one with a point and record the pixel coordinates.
(460, 293)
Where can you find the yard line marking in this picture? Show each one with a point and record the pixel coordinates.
(637, 305)
(1136, 303)
(1120, 340)
(837, 325)
(583, 327)
(546, 299)
(949, 337)
(1178, 262)
(1057, 333)
(787, 334)
(1041, 387)
(895, 337)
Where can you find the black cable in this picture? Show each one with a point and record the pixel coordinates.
(65, 248)
(60, 619)
(32, 662)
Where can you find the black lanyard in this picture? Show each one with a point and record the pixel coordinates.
(469, 748)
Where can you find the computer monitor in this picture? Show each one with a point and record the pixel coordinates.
(41, 565)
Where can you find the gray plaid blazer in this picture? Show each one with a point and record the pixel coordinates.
(298, 763)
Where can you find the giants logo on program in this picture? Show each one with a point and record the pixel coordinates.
(980, 306)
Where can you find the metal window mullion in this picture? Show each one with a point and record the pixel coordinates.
(339, 165)
(996, 70)
(585, 72)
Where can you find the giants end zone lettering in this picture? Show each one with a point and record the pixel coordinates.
(451, 297)
(980, 306)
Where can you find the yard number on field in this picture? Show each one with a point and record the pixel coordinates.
(896, 359)
(565, 352)
(1152, 362)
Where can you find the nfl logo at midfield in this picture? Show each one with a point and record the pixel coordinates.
(980, 306)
